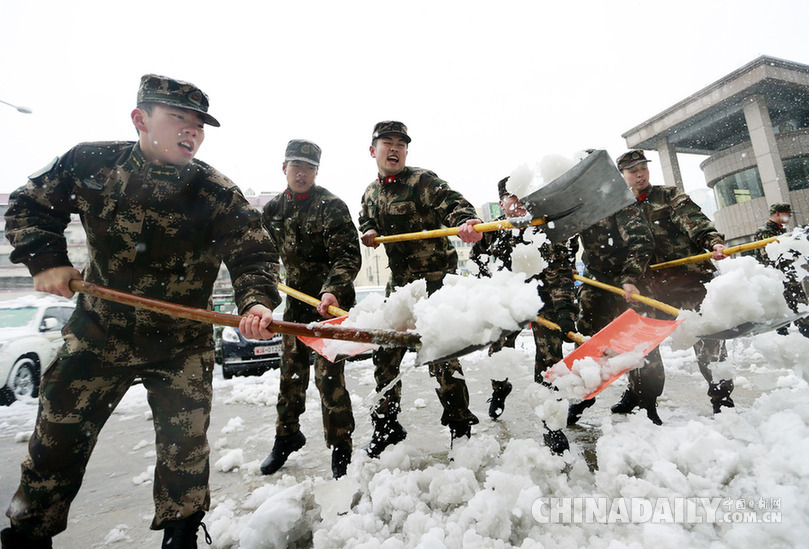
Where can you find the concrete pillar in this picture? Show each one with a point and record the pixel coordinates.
(765, 149)
(669, 164)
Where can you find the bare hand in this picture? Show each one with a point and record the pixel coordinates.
(327, 300)
(718, 253)
(254, 324)
(368, 238)
(629, 289)
(56, 280)
(467, 233)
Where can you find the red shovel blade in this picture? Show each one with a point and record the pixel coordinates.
(334, 350)
(622, 335)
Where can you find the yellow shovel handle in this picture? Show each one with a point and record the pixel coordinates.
(314, 302)
(646, 300)
(573, 336)
(727, 251)
(453, 231)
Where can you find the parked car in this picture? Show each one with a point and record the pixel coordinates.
(30, 336)
(241, 356)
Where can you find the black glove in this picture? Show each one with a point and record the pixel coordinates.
(567, 324)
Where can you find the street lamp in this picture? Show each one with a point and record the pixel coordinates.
(25, 110)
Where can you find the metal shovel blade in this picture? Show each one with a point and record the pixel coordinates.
(585, 194)
(755, 328)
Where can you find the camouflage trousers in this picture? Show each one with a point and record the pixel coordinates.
(548, 344)
(452, 391)
(795, 296)
(338, 419)
(77, 395)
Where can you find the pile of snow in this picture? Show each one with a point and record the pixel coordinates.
(473, 311)
(525, 180)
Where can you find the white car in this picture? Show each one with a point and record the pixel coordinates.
(30, 336)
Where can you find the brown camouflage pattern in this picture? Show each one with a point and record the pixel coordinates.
(618, 249)
(417, 201)
(556, 289)
(794, 293)
(319, 247)
(156, 231)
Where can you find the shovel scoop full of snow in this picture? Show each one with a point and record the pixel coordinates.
(614, 350)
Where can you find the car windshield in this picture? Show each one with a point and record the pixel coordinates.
(15, 318)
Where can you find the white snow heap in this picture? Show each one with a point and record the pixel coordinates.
(524, 180)
(744, 291)
(587, 374)
(474, 311)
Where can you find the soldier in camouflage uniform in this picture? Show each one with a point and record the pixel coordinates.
(402, 200)
(159, 223)
(793, 286)
(680, 230)
(555, 288)
(617, 251)
(319, 248)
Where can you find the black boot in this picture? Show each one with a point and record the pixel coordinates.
(387, 432)
(720, 394)
(628, 402)
(11, 538)
(576, 409)
(556, 441)
(340, 458)
(651, 413)
(283, 446)
(458, 429)
(500, 390)
(182, 534)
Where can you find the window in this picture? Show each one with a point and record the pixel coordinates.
(738, 187)
(797, 172)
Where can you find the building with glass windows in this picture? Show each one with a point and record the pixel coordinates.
(753, 125)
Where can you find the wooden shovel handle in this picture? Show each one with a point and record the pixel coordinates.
(572, 336)
(388, 338)
(313, 301)
(646, 300)
(707, 255)
(453, 231)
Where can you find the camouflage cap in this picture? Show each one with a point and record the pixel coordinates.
(501, 187)
(304, 151)
(780, 207)
(162, 89)
(630, 159)
(391, 126)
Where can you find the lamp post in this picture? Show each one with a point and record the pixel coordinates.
(25, 110)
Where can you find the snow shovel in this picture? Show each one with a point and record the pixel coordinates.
(744, 329)
(332, 353)
(727, 251)
(585, 194)
(386, 338)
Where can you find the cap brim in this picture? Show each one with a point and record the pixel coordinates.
(301, 159)
(635, 163)
(207, 118)
(405, 137)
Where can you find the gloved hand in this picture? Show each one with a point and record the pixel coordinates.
(567, 324)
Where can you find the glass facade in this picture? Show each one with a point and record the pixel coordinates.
(746, 184)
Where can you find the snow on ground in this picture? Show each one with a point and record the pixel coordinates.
(738, 479)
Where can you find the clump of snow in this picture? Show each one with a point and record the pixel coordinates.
(477, 311)
(234, 424)
(744, 291)
(588, 374)
(233, 459)
(117, 534)
(145, 477)
(525, 180)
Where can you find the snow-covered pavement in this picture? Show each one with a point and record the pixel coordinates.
(503, 488)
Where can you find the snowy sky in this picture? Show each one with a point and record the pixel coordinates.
(483, 87)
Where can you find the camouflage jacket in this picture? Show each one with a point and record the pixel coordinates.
(680, 230)
(768, 230)
(155, 231)
(556, 284)
(617, 250)
(319, 246)
(418, 200)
